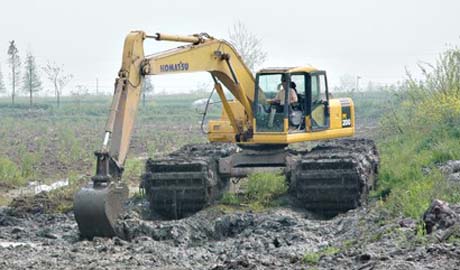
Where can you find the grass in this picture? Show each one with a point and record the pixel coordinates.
(261, 191)
(231, 199)
(264, 188)
(44, 142)
(313, 258)
(418, 134)
(10, 173)
(133, 170)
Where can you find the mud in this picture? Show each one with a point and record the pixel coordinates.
(36, 204)
(214, 239)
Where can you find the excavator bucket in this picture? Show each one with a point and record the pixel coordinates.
(97, 207)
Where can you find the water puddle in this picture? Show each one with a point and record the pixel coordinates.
(7, 244)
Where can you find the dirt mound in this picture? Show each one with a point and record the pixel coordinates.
(40, 203)
(442, 219)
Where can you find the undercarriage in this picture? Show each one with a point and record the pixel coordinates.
(333, 177)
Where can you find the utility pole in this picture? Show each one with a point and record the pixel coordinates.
(357, 83)
(97, 86)
(13, 93)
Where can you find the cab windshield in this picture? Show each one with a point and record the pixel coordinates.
(271, 85)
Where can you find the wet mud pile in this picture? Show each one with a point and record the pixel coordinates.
(281, 238)
(38, 204)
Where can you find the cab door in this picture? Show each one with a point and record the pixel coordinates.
(318, 102)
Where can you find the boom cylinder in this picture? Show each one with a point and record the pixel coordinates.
(177, 38)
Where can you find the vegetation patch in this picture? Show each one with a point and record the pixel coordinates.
(420, 132)
(231, 199)
(10, 173)
(264, 188)
(261, 191)
(313, 258)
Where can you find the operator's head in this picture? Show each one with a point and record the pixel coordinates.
(284, 80)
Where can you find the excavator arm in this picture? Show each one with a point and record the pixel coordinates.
(97, 206)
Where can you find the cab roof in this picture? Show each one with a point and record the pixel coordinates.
(307, 69)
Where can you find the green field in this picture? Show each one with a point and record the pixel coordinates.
(45, 143)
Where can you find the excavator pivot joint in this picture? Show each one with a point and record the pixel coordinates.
(106, 168)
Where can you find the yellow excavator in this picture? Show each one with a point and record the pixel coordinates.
(268, 112)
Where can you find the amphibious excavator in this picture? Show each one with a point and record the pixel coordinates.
(270, 110)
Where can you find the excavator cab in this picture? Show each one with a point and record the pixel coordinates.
(305, 107)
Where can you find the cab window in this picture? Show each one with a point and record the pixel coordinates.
(266, 119)
(319, 102)
(315, 89)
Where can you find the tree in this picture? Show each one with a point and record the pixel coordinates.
(2, 85)
(14, 63)
(147, 88)
(58, 77)
(371, 86)
(248, 45)
(347, 84)
(31, 81)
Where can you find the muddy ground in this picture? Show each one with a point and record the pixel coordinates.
(281, 238)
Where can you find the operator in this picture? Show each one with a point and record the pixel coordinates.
(280, 96)
(280, 99)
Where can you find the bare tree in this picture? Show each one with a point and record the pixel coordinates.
(31, 81)
(2, 84)
(371, 86)
(147, 89)
(248, 45)
(58, 77)
(79, 93)
(347, 84)
(202, 88)
(14, 63)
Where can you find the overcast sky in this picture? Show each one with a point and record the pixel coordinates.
(376, 40)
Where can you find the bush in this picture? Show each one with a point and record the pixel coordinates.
(263, 188)
(420, 132)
